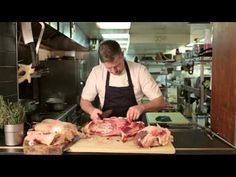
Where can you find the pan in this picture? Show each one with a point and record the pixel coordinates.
(55, 104)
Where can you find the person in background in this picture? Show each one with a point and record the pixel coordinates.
(120, 86)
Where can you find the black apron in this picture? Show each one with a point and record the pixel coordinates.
(119, 99)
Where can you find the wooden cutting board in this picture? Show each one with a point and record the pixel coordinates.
(42, 149)
(115, 145)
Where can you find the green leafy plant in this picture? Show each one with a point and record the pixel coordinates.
(11, 113)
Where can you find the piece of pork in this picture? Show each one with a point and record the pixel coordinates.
(56, 126)
(152, 136)
(114, 126)
(36, 137)
(51, 132)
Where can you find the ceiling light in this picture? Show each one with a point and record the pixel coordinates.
(122, 41)
(113, 25)
(189, 45)
(123, 46)
(202, 40)
(115, 36)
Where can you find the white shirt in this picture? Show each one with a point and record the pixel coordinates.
(142, 80)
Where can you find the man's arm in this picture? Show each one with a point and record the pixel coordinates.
(90, 109)
(151, 89)
(154, 105)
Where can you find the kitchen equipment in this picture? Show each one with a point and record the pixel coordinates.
(163, 119)
(40, 37)
(55, 104)
(30, 105)
(176, 117)
(105, 114)
(115, 145)
(71, 143)
(190, 67)
(29, 40)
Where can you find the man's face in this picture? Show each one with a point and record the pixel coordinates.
(116, 66)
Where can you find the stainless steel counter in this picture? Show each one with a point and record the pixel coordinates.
(186, 141)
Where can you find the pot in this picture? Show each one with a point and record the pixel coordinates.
(30, 105)
(55, 104)
(14, 134)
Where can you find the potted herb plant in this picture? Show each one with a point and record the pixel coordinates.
(12, 119)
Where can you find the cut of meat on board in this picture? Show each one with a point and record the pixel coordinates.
(144, 137)
(49, 136)
(152, 136)
(114, 126)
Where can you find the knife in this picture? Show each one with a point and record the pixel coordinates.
(27, 33)
(105, 114)
(28, 39)
(67, 147)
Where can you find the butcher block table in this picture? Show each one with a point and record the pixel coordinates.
(115, 145)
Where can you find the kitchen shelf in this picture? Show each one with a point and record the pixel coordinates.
(208, 93)
(196, 91)
(161, 64)
(198, 60)
(40, 73)
(6, 82)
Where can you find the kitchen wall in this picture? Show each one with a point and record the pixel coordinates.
(44, 54)
(8, 61)
(223, 110)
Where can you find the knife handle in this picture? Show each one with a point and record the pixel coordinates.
(100, 116)
(33, 54)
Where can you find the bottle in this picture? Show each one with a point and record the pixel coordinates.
(196, 49)
(177, 51)
(207, 43)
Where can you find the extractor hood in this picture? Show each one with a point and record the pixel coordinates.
(56, 40)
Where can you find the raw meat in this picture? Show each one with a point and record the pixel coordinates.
(113, 126)
(51, 132)
(152, 136)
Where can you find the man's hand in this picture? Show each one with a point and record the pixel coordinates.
(134, 112)
(94, 115)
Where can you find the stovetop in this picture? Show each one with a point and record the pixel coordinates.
(42, 114)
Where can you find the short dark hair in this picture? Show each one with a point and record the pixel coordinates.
(108, 50)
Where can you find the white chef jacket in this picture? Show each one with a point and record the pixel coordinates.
(143, 82)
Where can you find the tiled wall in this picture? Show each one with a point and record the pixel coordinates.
(8, 61)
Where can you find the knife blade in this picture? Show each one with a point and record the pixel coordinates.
(71, 143)
(29, 40)
(105, 114)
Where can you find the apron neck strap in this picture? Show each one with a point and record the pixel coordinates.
(128, 75)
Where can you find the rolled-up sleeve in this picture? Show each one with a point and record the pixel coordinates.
(89, 91)
(149, 86)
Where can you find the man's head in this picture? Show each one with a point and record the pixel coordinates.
(112, 56)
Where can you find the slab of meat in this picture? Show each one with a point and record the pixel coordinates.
(51, 132)
(56, 126)
(118, 126)
(152, 136)
(37, 137)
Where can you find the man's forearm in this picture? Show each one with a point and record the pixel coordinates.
(154, 105)
(86, 106)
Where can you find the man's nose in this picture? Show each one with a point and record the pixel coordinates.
(114, 70)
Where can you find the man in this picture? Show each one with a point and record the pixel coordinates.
(120, 85)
